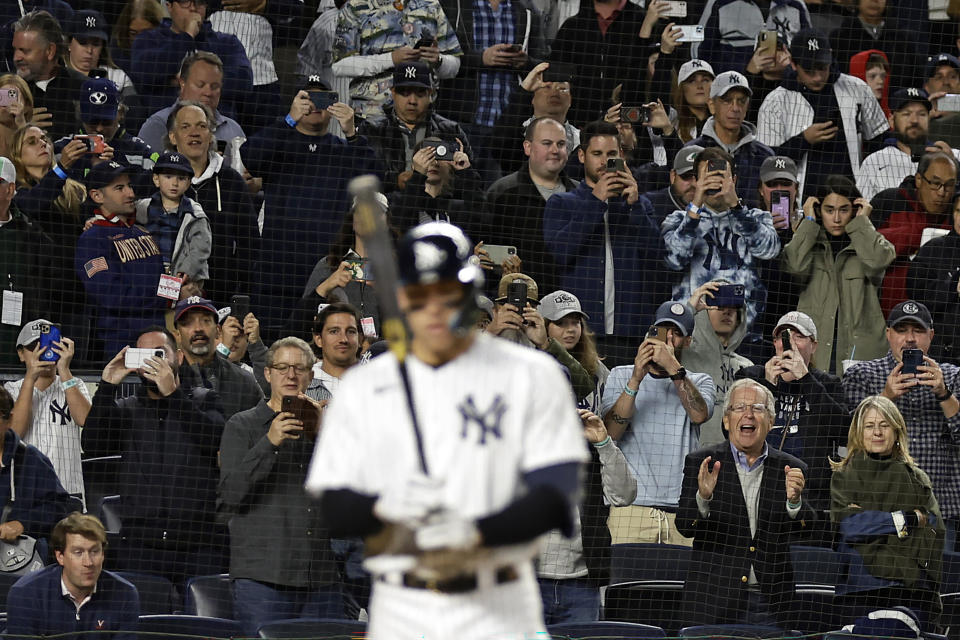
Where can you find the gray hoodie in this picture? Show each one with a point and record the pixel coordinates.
(707, 355)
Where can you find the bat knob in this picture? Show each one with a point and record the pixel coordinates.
(364, 186)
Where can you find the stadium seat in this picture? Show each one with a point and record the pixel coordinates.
(176, 627)
(630, 562)
(157, 594)
(209, 596)
(577, 630)
(653, 602)
(814, 565)
(108, 510)
(6, 581)
(100, 478)
(726, 631)
(314, 628)
(817, 603)
(950, 618)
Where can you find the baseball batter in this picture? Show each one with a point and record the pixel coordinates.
(502, 444)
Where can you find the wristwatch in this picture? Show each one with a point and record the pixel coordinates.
(680, 374)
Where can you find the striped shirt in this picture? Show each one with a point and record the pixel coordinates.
(489, 28)
(54, 432)
(256, 35)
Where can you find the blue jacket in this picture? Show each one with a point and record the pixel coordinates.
(36, 606)
(156, 55)
(36, 498)
(305, 191)
(574, 232)
(120, 269)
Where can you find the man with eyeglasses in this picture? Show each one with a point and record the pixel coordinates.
(281, 563)
(156, 55)
(823, 119)
(167, 440)
(75, 594)
(742, 503)
(910, 117)
(901, 214)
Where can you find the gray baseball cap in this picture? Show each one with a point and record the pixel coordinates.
(797, 320)
(686, 158)
(777, 167)
(558, 305)
(31, 332)
(727, 81)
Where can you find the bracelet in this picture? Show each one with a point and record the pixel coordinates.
(694, 210)
(810, 218)
(290, 121)
(602, 443)
(70, 384)
(57, 169)
(630, 392)
(793, 505)
(944, 397)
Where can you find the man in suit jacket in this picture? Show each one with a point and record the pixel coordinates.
(740, 571)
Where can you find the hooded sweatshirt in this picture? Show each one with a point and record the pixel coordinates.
(707, 354)
(858, 69)
(748, 154)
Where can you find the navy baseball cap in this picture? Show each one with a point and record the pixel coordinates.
(105, 173)
(88, 24)
(677, 314)
(910, 310)
(173, 161)
(315, 83)
(99, 100)
(809, 48)
(412, 74)
(940, 60)
(903, 97)
(195, 302)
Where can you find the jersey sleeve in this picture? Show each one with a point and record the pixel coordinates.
(553, 434)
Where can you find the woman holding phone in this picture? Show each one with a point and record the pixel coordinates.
(839, 258)
(16, 109)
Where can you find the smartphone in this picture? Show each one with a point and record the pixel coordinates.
(715, 165)
(517, 294)
(912, 358)
(729, 295)
(134, 358)
(635, 115)
(303, 411)
(676, 9)
(559, 72)
(949, 102)
(657, 333)
(323, 99)
(499, 252)
(8, 97)
(426, 39)
(832, 116)
(445, 149)
(767, 42)
(359, 269)
(690, 33)
(49, 333)
(780, 208)
(616, 164)
(95, 143)
(239, 307)
(785, 340)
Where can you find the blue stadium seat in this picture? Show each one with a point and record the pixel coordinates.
(629, 562)
(209, 596)
(578, 630)
(654, 602)
(99, 478)
(314, 628)
(814, 565)
(818, 606)
(108, 510)
(6, 581)
(950, 619)
(157, 594)
(726, 631)
(175, 627)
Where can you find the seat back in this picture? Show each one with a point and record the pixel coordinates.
(209, 596)
(314, 628)
(653, 602)
(175, 627)
(157, 594)
(577, 630)
(636, 561)
(736, 631)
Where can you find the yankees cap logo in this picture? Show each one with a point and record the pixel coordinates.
(314, 79)
(913, 91)
(174, 158)
(312, 147)
(410, 72)
(780, 163)
(115, 165)
(98, 97)
(696, 64)
(428, 256)
(91, 21)
(910, 307)
(733, 78)
(193, 300)
(563, 298)
(813, 45)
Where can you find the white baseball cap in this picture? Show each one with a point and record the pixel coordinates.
(691, 67)
(797, 320)
(729, 80)
(8, 172)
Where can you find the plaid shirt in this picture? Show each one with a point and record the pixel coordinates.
(934, 438)
(491, 28)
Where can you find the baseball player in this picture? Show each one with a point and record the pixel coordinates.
(454, 498)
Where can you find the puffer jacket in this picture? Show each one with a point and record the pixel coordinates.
(191, 249)
(842, 290)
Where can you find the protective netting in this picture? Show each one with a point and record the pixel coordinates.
(694, 192)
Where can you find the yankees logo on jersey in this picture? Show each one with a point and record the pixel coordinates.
(63, 411)
(488, 421)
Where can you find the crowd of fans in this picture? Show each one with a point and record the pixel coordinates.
(669, 206)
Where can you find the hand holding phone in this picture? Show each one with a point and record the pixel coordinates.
(49, 334)
(304, 411)
(239, 307)
(517, 295)
(135, 358)
(912, 358)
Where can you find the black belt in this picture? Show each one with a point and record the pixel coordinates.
(463, 583)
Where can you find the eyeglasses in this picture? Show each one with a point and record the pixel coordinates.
(282, 368)
(758, 407)
(936, 185)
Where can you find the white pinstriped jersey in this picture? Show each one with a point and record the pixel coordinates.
(54, 431)
(256, 35)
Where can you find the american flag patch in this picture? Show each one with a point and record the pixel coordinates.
(95, 266)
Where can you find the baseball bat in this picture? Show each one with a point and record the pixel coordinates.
(372, 228)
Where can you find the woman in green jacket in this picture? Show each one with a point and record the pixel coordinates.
(891, 532)
(841, 261)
